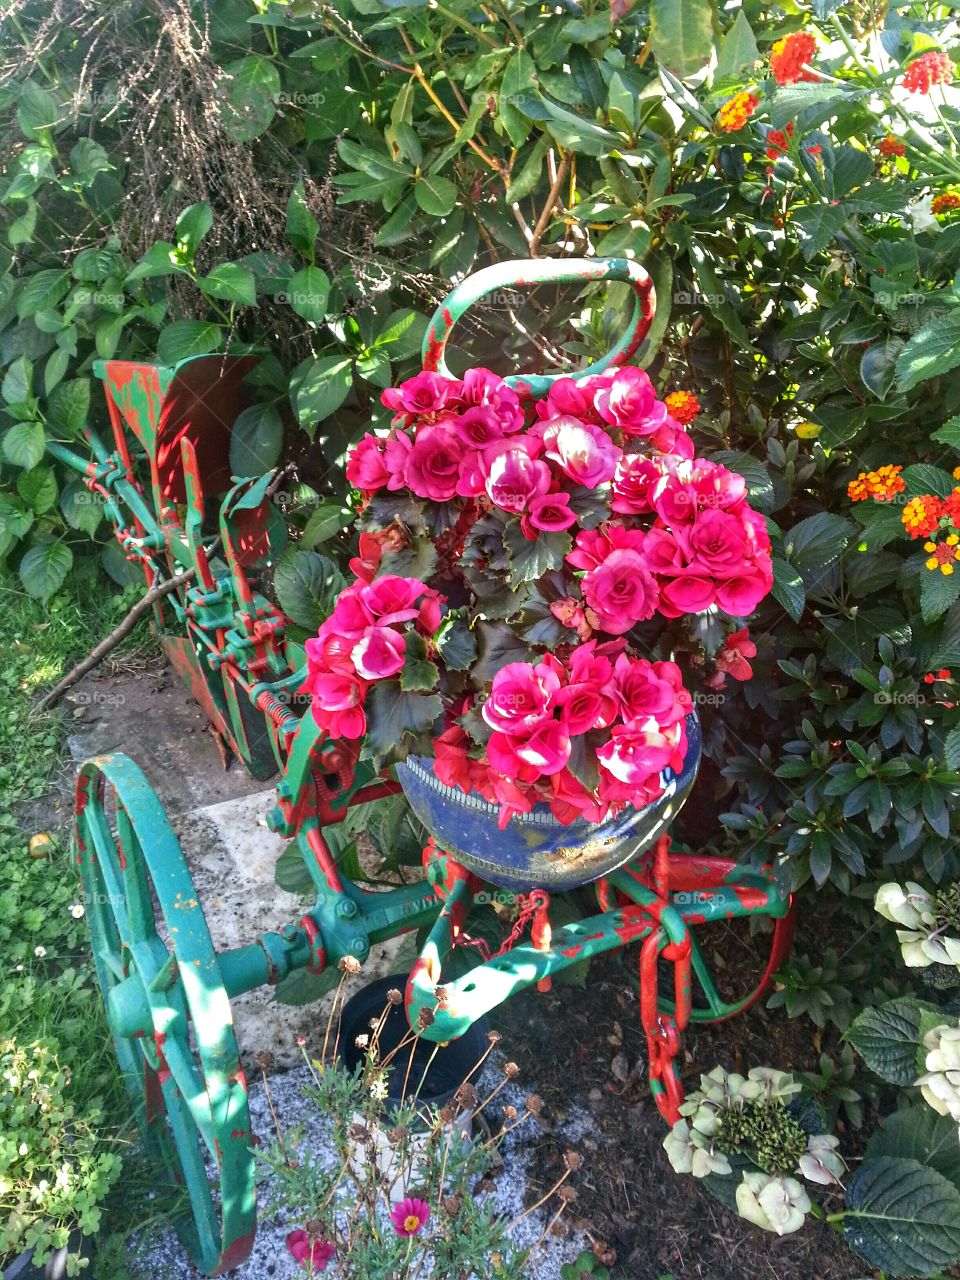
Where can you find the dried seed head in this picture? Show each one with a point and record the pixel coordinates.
(605, 1253)
(399, 1134)
(394, 996)
(494, 1037)
(313, 1227)
(425, 1019)
(466, 1097)
(357, 1132)
(511, 1070)
(264, 1059)
(448, 1113)
(534, 1103)
(567, 1193)
(443, 995)
(362, 1041)
(485, 1184)
(573, 1160)
(349, 964)
(510, 1113)
(560, 1229)
(452, 1204)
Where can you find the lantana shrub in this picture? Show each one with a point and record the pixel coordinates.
(545, 534)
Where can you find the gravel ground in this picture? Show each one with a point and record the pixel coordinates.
(159, 1256)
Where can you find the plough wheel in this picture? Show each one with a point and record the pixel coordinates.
(708, 1004)
(167, 1006)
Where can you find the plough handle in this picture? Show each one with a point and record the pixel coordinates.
(524, 273)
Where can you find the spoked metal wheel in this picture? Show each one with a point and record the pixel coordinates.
(167, 1007)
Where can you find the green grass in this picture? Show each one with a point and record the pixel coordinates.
(47, 984)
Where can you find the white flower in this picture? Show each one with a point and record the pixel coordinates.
(690, 1152)
(77, 911)
(820, 1162)
(40, 951)
(921, 941)
(941, 1084)
(679, 1147)
(768, 1083)
(773, 1203)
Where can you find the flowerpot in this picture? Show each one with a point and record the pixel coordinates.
(442, 1074)
(535, 850)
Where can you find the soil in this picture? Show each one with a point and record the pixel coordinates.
(585, 1049)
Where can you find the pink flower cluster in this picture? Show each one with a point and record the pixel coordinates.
(633, 709)
(313, 1255)
(364, 640)
(706, 545)
(466, 439)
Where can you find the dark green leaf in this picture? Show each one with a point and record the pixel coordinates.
(902, 1217)
(307, 585)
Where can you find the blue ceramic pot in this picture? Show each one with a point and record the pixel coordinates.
(534, 850)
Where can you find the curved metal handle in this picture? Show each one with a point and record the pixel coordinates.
(533, 271)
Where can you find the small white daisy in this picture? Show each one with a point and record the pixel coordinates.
(40, 951)
(77, 911)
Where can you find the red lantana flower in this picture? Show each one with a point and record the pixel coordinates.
(789, 56)
(932, 67)
(777, 141)
(682, 405)
(946, 202)
(891, 146)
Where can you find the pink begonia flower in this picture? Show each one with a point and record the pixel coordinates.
(687, 592)
(630, 403)
(732, 658)
(429, 617)
(433, 465)
(584, 453)
(717, 543)
(335, 702)
(481, 387)
(621, 591)
(351, 615)
(513, 478)
(567, 396)
(582, 707)
(409, 1216)
(312, 1255)
(594, 545)
(519, 697)
(451, 762)
(716, 486)
(571, 800)
(330, 652)
(641, 692)
(424, 393)
(392, 598)
(740, 596)
(379, 653)
(674, 497)
(395, 456)
(473, 479)
(633, 484)
(635, 754)
(478, 426)
(672, 438)
(550, 513)
(366, 468)
(547, 748)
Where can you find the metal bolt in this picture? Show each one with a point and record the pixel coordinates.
(288, 932)
(346, 908)
(358, 946)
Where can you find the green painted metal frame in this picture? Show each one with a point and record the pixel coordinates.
(167, 991)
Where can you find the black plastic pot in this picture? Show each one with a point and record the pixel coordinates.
(451, 1063)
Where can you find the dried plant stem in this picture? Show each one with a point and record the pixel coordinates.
(543, 1199)
(547, 211)
(333, 1010)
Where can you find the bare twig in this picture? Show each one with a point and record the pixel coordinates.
(96, 655)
